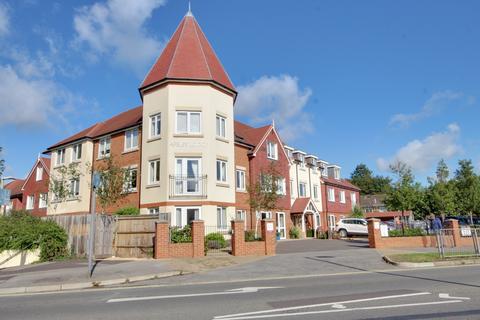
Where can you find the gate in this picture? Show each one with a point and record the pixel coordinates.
(218, 240)
(464, 244)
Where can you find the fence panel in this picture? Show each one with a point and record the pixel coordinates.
(77, 228)
(134, 236)
(218, 240)
(465, 245)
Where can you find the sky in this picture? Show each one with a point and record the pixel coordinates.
(352, 82)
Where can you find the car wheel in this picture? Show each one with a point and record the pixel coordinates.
(343, 233)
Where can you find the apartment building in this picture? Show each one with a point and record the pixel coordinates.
(184, 153)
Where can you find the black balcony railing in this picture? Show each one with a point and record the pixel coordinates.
(193, 187)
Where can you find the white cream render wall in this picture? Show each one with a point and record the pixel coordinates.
(81, 203)
(308, 176)
(186, 97)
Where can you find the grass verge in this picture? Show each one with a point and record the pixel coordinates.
(431, 257)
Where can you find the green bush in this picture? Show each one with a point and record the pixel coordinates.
(310, 233)
(250, 236)
(413, 232)
(22, 231)
(322, 235)
(294, 233)
(215, 240)
(128, 211)
(181, 235)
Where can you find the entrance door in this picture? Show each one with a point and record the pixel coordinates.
(331, 222)
(187, 173)
(281, 228)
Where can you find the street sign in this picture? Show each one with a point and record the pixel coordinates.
(4, 197)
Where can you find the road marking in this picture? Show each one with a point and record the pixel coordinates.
(324, 304)
(338, 306)
(263, 316)
(226, 292)
(447, 296)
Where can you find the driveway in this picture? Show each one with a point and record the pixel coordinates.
(313, 245)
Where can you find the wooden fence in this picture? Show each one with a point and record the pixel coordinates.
(77, 228)
(134, 236)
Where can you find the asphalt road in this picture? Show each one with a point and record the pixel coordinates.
(439, 293)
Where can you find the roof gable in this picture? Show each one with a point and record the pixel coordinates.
(44, 162)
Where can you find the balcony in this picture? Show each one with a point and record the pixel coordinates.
(188, 187)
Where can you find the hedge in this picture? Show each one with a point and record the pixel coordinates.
(409, 232)
(215, 240)
(128, 211)
(181, 235)
(22, 231)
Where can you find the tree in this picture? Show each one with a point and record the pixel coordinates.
(467, 189)
(264, 192)
(357, 212)
(440, 194)
(113, 183)
(2, 163)
(60, 184)
(405, 194)
(363, 178)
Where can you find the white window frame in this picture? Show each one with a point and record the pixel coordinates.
(155, 210)
(30, 205)
(74, 188)
(281, 186)
(183, 215)
(127, 186)
(342, 197)
(315, 192)
(152, 172)
(155, 129)
(104, 145)
(301, 158)
(272, 150)
(222, 218)
(60, 158)
(75, 151)
(223, 165)
(131, 135)
(189, 129)
(331, 194)
(240, 177)
(291, 188)
(42, 200)
(353, 199)
(183, 181)
(268, 215)
(39, 173)
(221, 126)
(300, 195)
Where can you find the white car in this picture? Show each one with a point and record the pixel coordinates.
(351, 226)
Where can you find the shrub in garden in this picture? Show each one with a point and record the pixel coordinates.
(181, 235)
(294, 233)
(250, 236)
(322, 235)
(310, 233)
(22, 231)
(410, 232)
(128, 211)
(215, 240)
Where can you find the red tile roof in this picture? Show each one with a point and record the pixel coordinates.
(299, 205)
(188, 56)
(15, 187)
(120, 121)
(340, 183)
(249, 135)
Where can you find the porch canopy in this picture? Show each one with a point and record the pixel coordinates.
(305, 206)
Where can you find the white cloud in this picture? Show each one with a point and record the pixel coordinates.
(116, 28)
(435, 104)
(278, 98)
(4, 20)
(421, 155)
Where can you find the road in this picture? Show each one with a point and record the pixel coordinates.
(437, 293)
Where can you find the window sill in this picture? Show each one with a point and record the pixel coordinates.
(103, 158)
(222, 139)
(77, 161)
(188, 135)
(272, 158)
(241, 191)
(156, 185)
(130, 192)
(154, 139)
(73, 198)
(223, 185)
(58, 166)
(303, 169)
(130, 150)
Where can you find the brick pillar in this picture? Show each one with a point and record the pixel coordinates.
(269, 236)
(238, 237)
(453, 224)
(374, 236)
(162, 239)
(198, 238)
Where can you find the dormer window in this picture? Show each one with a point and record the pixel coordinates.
(301, 159)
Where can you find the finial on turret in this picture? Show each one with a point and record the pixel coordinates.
(189, 13)
(273, 123)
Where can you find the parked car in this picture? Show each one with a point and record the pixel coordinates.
(351, 226)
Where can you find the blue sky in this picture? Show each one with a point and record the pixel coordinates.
(349, 81)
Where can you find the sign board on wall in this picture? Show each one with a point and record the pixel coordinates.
(270, 226)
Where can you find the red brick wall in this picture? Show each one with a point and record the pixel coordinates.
(242, 198)
(33, 187)
(123, 159)
(336, 208)
(254, 248)
(164, 249)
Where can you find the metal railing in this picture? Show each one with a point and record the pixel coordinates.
(468, 246)
(218, 239)
(193, 187)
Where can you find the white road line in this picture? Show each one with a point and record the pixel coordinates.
(447, 296)
(263, 316)
(233, 291)
(324, 304)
